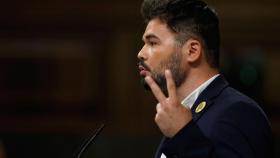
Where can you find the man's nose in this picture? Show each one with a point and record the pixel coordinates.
(142, 55)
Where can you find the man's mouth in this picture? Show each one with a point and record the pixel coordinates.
(142, 71)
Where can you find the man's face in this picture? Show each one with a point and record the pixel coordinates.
(160, 52)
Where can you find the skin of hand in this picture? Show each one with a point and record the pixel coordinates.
(171, 116)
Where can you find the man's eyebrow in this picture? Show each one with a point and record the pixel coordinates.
(149, 36)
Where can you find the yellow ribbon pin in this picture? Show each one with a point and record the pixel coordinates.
(200, 107)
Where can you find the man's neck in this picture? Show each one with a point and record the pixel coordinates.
(193, 81)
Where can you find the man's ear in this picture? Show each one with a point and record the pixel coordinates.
(192, 49)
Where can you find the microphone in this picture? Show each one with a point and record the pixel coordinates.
(86, 144)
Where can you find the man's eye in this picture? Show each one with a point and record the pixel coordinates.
(153, 43)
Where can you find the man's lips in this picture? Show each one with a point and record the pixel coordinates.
(142, 71)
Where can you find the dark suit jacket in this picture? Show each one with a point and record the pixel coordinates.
(230, 126)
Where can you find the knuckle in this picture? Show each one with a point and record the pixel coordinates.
(165, 108)
(158, 107)
(157, 118)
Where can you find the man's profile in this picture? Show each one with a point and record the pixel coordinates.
(198, 113)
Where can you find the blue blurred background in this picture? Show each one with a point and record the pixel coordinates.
(67, 66)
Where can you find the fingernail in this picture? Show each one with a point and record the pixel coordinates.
(167, 71)
(147, 78)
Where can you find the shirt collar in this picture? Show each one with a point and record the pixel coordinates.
(190, 99)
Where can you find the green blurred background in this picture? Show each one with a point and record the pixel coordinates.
(67, 66)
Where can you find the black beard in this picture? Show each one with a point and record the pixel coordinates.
(160, 81)
(178, 77)
(145, 84)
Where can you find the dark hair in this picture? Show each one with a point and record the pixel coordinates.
(189, 19)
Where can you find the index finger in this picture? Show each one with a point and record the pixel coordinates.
(171, 87)
(155, 89)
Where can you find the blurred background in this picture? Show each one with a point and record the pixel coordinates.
(67, 66)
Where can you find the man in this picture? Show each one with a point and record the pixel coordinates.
(199, 115)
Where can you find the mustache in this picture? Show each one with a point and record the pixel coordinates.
(141, 63)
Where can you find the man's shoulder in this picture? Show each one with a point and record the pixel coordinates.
(225, 99)
(234, 101)
(232, 95)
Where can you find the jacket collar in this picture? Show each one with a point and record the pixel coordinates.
(208, 96)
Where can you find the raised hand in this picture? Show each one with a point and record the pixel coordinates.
(171, 116)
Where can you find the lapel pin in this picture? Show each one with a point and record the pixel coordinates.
(200, 107)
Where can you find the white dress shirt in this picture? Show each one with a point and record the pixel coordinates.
(191, 98)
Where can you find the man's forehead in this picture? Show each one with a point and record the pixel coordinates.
(156, 28)
(154, 24)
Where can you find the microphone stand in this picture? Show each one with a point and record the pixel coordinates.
(89, 141)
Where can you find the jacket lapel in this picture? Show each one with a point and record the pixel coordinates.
(206, 98)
